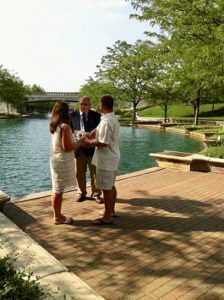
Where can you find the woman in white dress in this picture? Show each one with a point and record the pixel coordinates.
(62, 159)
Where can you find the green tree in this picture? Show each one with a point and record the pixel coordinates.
(129, 68)
(164, 87)
(35, 89)
(40, 107)
(95, 89)
(193, 33)
(12, 89)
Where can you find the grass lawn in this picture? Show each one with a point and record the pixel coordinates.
(185, 111)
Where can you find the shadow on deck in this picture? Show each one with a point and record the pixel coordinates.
(167, 242)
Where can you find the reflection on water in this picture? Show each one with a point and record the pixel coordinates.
(25, 150)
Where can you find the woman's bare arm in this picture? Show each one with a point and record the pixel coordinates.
(66, 141)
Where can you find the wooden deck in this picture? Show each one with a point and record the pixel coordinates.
(167, 243)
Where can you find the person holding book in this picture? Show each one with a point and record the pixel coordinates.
(85, 120)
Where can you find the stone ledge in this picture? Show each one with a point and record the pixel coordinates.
(188, 161)
(177, 130)
(217, 165)
(35, 259)
(173, 159)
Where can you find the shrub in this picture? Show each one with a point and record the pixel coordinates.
(16, 284)
(217, 151)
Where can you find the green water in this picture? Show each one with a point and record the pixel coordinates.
(25, 151)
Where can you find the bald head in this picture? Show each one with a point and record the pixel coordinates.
(84, 104)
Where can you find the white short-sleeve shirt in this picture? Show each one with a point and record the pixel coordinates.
(107, 132)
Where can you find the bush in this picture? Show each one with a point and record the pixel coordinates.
(16, 284)
(217, 151)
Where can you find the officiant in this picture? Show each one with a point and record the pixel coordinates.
(85, 119)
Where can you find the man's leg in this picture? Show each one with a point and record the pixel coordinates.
(81, 168)
(115, 199)
(109, 202)
(106, 181)
(94, 191)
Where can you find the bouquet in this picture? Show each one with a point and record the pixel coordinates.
(79, 135)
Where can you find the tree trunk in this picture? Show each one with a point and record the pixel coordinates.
(134, 112)
(194, 107)
(7, 106)
(165, 112)
(197, 107)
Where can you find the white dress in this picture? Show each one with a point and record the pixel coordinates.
(62, 164)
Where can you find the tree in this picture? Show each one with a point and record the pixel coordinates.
(35, 89)
(95, 89)
(164, 87)
(129, 68)
(164, 92)
(12, 89)
(41, 107)
(193, 33)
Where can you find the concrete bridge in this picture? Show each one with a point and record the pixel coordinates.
(53, 96)
(69, 97)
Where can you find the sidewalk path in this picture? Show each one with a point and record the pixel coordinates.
(168, 242)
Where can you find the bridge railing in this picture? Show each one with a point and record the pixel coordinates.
(54, 96)
(75, 94)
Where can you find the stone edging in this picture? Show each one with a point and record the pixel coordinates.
(188, 161)
(35, 259)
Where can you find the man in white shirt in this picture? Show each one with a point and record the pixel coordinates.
(106, 158)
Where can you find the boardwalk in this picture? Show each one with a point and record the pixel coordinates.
(167, 243)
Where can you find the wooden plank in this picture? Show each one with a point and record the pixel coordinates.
(166, 242)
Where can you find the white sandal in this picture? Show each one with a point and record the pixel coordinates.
(68, 221)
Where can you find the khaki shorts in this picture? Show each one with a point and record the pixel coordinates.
(105, 179)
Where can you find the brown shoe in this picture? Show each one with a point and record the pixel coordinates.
(101, 213)
(101, 221)
(80, 198)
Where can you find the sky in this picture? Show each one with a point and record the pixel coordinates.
(57, 44)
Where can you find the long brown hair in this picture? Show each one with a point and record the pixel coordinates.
(59, 114)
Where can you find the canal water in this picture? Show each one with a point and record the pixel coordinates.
(25, 152)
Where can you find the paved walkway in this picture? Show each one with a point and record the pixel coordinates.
(166, 244)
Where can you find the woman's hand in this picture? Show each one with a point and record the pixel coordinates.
(80, 144)
(89, 136)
